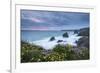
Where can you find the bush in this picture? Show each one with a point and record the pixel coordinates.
(85, 54)
(30, 52)
(59, 49)
(68, 46)
(30, 56)
(65, 34)
(64, 51)
(34, 53)
(54, 57)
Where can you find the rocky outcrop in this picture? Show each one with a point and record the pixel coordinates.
(59, 41)
(75, 31)
(83, 42)
(52, 38)
(65, 34)
(83, 32)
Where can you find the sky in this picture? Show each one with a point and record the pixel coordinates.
(53, 20)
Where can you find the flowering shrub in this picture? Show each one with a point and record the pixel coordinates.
(34, 53)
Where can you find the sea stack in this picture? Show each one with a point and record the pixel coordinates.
(65, 34)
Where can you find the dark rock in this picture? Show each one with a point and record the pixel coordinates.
(83, 42)
(65, 34)
(75, 31)
(52, 38)
(83, 32)
(59, 41)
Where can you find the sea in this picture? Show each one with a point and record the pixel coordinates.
(35, 35)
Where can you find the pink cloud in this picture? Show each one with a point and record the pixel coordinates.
(36, 20)
(36, 28)
(39, 28)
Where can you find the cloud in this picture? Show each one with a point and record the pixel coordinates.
(36, 20)
(53, 19)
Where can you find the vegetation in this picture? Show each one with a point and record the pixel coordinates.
(34, 53)
(85, 54)
(30, 52)
(54, 56)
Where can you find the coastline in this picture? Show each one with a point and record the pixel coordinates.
(46, 44)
